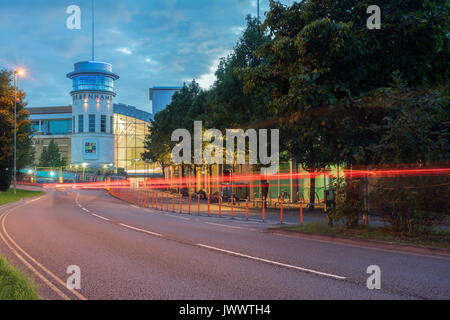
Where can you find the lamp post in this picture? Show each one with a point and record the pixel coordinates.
(16, 72)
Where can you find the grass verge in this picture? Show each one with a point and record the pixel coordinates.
(9, 196)
(14, 285)
(436, 239)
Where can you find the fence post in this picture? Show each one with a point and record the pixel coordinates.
(264, 209)
(190, 198)
(181, 203)
(281, 210)
(301, 211)
(232, 206)
(220, 206)
(173, 204)
(246, 211)
(198, 204)
(208, 205)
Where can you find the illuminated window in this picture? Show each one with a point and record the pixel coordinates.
(101, 83)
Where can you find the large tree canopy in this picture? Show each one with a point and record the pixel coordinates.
(25, 152)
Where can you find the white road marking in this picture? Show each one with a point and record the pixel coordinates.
(141, 230)
(51, 274)
(178, 217)
(226, 226)
(37, 273)
(329, 275)
(100, 217)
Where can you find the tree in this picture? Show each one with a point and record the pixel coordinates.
(51, 156)
(25, 152)
(322, 66)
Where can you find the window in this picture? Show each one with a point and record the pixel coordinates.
(35, 126)
(80, 123)
(92, 123)
(111, 124)
(103, 124)
(73, 124)
(102, 83)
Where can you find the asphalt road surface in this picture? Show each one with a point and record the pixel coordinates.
(125, 252)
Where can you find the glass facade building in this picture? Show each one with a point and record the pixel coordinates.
(130, 126)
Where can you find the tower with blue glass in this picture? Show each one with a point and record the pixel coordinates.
(92, 111)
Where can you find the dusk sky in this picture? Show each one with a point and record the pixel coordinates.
(149, 43)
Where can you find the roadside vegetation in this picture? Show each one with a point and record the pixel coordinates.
(341, 95)
(436, 237)
(9, 196)
(14, 285)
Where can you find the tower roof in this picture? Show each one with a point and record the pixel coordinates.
(93, 67)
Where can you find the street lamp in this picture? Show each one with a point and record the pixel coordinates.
(19, 72)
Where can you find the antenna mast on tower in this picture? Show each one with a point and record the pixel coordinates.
(93, 30)
(257, 5)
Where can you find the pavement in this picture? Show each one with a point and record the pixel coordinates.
(128, 252)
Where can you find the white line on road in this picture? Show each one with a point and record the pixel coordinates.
(141, 230)
(226, 226)
(100, 217)
(178, 217)
(51, 274)
(329, 275)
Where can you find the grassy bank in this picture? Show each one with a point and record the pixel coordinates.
(9, 196)
(437, 238)
(14, 285)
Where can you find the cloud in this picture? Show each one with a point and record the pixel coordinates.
(125, 51)
(149, 43)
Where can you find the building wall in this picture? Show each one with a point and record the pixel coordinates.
(97, 105)
(161, 97)
(63, 142)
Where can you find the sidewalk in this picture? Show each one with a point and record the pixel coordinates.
(171, 203)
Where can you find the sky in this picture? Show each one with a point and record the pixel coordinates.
(148, 42)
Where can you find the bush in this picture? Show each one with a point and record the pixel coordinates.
(349, 202)
(413, 204)
(5, 179)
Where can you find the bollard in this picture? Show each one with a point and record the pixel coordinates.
(232, 207)
(156, 200)
(181, 203)
(198, 205)
(208, 205)
(301, 211)
(173, 205)
(162, 201)
(167, 206)
(246, 211)
(264, 209)
(190, 203)
(153, 200)
(220, 206)
(281, 210)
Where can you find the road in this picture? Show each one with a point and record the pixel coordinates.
(126, 252)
